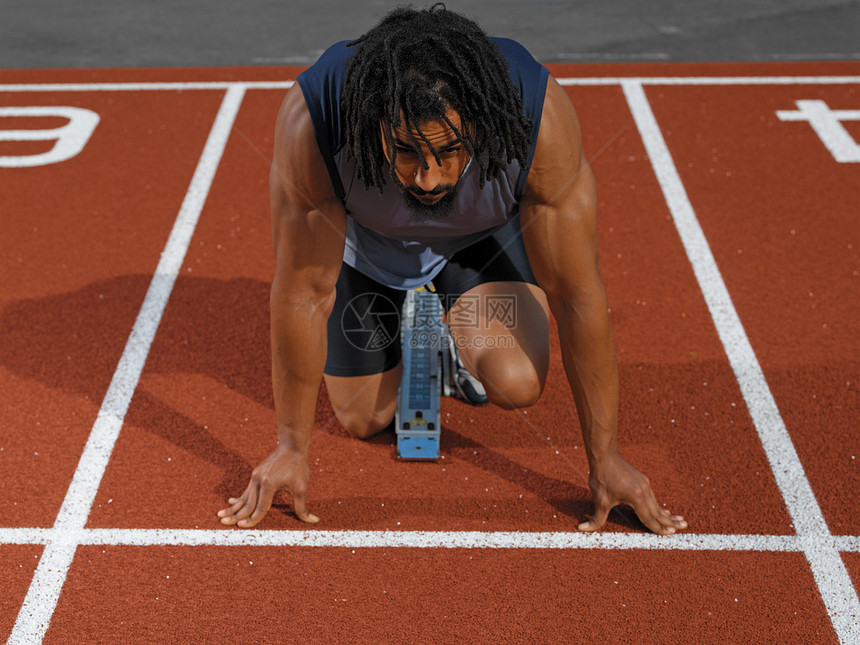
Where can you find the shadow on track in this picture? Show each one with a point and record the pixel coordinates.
(218, 329)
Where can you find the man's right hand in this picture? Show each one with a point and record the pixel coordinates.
(283, 469)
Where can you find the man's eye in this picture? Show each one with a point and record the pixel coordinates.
(451, 151)
(404, 151)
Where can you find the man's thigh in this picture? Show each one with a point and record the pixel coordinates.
(364, 405)
(362, 371)
(501, 330)
(498, 316)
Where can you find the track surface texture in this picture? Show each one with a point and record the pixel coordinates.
(136, 396)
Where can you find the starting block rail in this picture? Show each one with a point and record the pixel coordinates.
(418, 415)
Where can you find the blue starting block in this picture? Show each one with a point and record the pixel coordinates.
(418, 415)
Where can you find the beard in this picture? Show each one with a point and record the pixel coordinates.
(428, 212)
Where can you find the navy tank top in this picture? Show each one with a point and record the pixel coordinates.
(384, 240)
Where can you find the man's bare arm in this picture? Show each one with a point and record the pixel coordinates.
(559, 213)
(308, 231)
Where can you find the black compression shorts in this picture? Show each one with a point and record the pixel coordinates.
(364, 326)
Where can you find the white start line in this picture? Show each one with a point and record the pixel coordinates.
(430, 539)
(813, 538)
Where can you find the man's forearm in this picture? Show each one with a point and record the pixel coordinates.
(299, 344)
(588, 353)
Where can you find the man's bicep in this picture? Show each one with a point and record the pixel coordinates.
(561, 240)
(309, 243)
(308, 220)
(559, 208)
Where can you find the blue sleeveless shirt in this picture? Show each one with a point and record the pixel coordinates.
(384, 240)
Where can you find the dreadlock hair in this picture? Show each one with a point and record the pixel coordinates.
(414, 66)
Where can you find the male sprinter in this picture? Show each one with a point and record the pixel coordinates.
(423, 152)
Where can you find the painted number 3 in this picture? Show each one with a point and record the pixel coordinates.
(69, 139)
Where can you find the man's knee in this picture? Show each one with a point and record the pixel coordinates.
(511, 385)
(363, 426)
(364, 405)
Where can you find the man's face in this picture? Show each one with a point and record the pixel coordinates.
(428, 193)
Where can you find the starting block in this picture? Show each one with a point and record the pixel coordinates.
(418, 416)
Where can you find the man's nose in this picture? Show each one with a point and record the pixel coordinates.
(428, 178)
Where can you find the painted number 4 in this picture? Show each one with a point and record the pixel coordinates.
(827, 124)
(69, 139)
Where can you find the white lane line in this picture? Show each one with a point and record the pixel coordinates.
(41, 600)
(829, 571)
(442, 539)
(25, 535)
(415, 539)
(826, 123)
(143, 87)
(280, 85)
(848, 543)
(431, 539)
(434, 539)
(715, 80)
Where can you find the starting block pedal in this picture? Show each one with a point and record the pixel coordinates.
(418, 416)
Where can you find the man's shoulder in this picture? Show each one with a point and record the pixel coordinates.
(509, 45)
(515, 53)
(333, 59)
(339, 52)
(321, 85)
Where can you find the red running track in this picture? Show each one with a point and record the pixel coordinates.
(82, 239)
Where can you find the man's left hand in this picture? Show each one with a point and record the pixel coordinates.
(613, 481)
